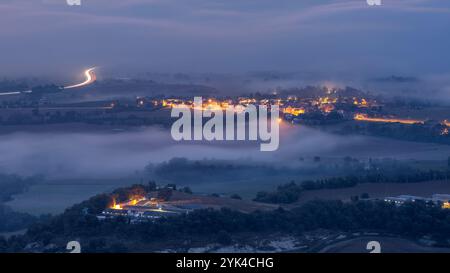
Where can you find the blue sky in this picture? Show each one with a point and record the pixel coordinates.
(328, 36)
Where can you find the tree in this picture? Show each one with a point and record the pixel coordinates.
(172, 186)
(365, 195)
(224, 238)
(186, 190)
(165, 194)
(236, 196)
(118, 248)
(151, 186)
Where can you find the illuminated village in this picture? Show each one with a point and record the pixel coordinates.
(333, 104)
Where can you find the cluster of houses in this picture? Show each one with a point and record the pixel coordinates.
(146, 209)
(440, 199)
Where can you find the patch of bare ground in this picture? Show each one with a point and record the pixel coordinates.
(246, 206)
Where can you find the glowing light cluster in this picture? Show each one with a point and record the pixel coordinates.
(115, 205)
(361, 102)
(132, 202)
(293, 111)
(364, 117)
(446, 205)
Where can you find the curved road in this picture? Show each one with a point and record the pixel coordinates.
(90, 78)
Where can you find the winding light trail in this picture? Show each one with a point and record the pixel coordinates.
(90, 78)
(11, 93)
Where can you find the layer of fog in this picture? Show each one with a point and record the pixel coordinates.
(110, 155)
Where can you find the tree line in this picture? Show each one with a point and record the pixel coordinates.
(290, 192)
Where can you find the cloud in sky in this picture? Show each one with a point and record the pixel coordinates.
(401, 36)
